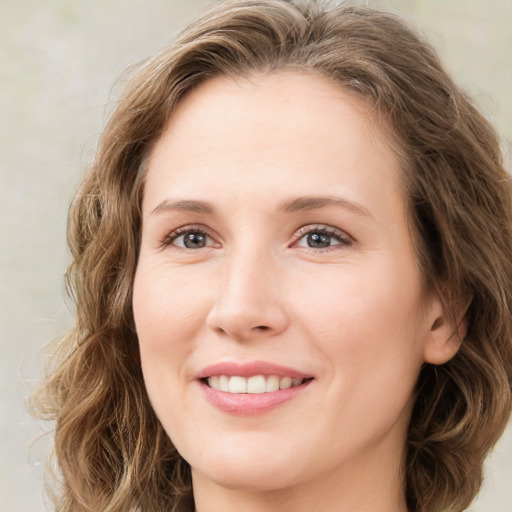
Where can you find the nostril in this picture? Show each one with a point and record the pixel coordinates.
(262, 327)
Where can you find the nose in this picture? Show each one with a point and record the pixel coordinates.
(249, 302)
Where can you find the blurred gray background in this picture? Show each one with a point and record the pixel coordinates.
(58, 61)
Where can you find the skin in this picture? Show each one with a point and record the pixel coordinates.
(352, 314)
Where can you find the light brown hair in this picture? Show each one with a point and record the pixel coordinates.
(111, 451)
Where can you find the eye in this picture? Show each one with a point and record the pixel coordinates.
(189, 238)
(322, 237)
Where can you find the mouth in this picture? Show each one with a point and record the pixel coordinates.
(251, 388)
(256, 384)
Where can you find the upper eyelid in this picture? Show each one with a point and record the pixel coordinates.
(175, 233)
(332, 230)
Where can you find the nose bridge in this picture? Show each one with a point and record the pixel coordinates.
(248, 302)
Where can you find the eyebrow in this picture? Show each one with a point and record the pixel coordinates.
(289, 206)
(185, 206)
(317, 202)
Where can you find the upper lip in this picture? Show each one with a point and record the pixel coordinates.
(250, 369)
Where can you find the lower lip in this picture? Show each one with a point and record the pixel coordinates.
(247, 404)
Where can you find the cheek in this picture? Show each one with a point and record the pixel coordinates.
(356, 301)
(367, 323)
(165, 321)
(167, 310)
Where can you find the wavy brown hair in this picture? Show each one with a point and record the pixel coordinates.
(112, 453)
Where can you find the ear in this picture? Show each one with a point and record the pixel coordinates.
(448, 329)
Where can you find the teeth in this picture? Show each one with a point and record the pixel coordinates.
(237, 385)
(256, 384)
(223, 383)
(285, 383)
(213, 382)
(272, 383)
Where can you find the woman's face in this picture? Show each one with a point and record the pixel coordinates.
(275, 253)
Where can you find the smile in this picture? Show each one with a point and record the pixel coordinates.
(257, 384)
(251, 388)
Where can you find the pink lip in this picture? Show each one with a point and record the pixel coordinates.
(246, 404)
(250, 369)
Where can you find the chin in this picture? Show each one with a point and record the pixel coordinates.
(255, 470)
(247, 477)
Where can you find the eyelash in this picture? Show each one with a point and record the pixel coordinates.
(340, 236)
(175, 234)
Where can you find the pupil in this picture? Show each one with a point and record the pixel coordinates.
(194, 240)
(319, 240)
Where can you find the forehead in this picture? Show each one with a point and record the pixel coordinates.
(290, 130)
(285, 101)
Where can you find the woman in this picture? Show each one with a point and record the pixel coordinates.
(292, 277)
